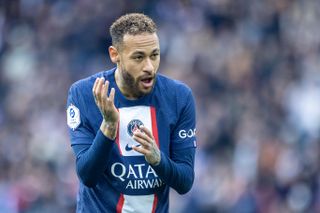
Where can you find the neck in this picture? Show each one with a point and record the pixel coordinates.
(120, 83)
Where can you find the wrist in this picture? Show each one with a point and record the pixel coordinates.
(109, 129)
(157, 159)
(157, 162)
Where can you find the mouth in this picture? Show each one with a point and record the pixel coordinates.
(147, 82)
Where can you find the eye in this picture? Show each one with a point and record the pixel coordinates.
(138, 57)
(154, 56)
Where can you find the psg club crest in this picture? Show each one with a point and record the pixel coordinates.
(133, 126)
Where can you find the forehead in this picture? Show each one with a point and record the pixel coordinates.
(143, 42)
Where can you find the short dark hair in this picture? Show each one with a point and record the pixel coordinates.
(132, 24)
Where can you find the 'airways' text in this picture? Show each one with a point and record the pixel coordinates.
(144, 184)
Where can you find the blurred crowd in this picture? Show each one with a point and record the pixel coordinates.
(253, 65)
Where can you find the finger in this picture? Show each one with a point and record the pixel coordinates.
(98, 89)
(104, 90)
(111, 95)
(95, 85)
(140, 149)
(147, 131)
(95, 91)
(142, 141)
(141, 135)
(103, 95)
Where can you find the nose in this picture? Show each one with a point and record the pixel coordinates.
(148, 66)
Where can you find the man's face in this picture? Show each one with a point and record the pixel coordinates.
(139, 62)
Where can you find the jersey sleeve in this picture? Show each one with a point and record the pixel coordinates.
(79, 129)
(184, 133)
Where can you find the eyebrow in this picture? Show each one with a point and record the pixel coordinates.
(142, 53)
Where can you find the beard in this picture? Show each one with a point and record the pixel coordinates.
(132, 85)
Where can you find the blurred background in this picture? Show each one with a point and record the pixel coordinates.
(253, 65)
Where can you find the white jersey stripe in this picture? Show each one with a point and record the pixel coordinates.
(138, 203)
(130, 119)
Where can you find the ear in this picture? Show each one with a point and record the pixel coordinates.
(114, 54)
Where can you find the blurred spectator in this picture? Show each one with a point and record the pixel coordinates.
(254, 67)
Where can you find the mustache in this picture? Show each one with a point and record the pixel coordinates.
(146, 76)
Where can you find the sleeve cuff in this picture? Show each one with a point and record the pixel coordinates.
(162, 165)
(101, 137)
(101, 142)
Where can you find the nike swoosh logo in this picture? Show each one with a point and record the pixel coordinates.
(129, 148)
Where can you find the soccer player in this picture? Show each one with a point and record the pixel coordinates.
(132, 130)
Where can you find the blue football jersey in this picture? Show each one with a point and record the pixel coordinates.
(129, 183)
